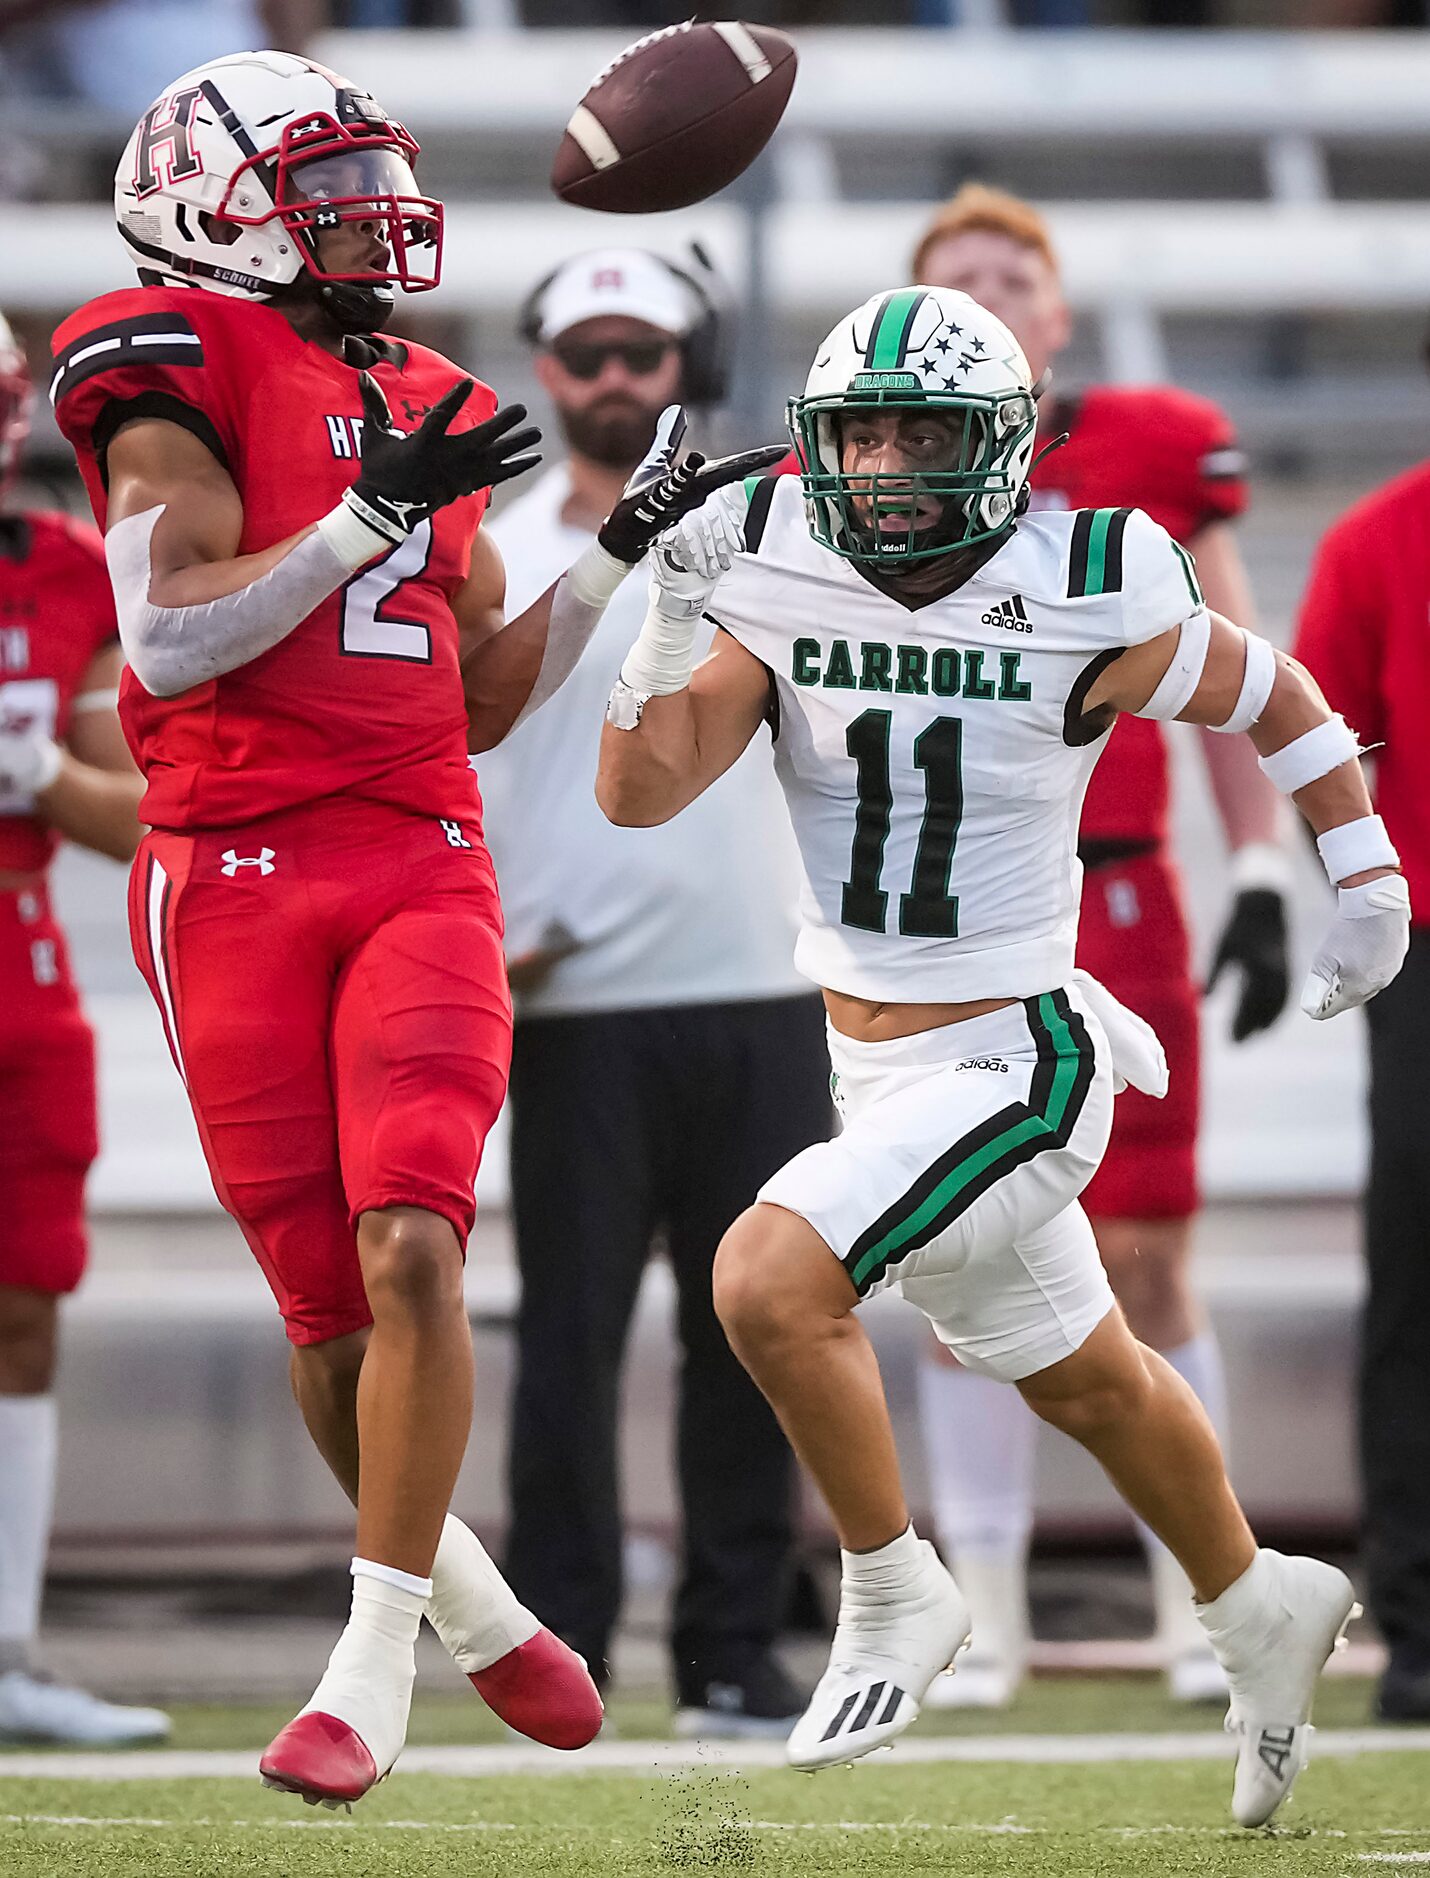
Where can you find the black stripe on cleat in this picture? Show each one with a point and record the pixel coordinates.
(895, 1697)
(871, 1702)
(839, 1720)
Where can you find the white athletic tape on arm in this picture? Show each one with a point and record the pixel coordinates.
(1257, 679)
(1315, 753)
(582, 595)
(173, 648)
(1356, 846)
(1184, 674)
(96, 701)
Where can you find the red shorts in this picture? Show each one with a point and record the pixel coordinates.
(1133, 936)
(48, 1132)
(332, 986)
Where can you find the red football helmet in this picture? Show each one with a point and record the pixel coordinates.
(16, 397)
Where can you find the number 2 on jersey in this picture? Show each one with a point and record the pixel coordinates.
(928, 910)
(367, 631)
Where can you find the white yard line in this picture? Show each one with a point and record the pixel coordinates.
(675, 1757)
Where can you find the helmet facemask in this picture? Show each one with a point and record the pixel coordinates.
(326, 176)
(890, 519)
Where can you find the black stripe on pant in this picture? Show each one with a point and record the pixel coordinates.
(1395, 1327)
(625, 1123)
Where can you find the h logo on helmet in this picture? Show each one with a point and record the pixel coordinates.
(169, 122)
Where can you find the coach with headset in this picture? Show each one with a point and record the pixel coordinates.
(667, 1056)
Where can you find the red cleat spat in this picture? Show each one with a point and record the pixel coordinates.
(543, 1690)
(320, 1758)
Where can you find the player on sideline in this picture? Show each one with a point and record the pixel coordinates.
(1175, 457)
(313, 624)
(64, 773)
(934, 773)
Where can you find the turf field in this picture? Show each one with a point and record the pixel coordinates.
(1021, 1817)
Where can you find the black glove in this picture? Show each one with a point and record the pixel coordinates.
(407, 476)
(659, 493)
(1254, 941)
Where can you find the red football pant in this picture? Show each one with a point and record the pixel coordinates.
(1133, 937)
(333, 990)
(48, 1131)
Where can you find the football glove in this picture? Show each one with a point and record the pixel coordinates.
(662, 492)
(406, 476)
(29, 761)
(1254, 943)
(1364, 949)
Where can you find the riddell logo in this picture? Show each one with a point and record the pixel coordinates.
(1009, 614)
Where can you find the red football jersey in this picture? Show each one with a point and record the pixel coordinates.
(364, 697)
(1147, 447)
(56, 612)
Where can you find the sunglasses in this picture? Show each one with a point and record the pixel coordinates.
(641, 357)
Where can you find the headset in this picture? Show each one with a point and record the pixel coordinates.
(705, 349)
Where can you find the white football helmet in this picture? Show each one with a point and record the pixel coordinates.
(236, 170)
(917, 347)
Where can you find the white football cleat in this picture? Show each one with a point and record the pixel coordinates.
(35, 1709)
(886, 1652)
(1272, 1657)
(1197, 1677)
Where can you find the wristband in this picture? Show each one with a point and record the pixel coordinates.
(1315, 753)
(352, 538)
(1260, 867)
(1257, 679)
(595, 574)
(663, 657)
(1356, 846)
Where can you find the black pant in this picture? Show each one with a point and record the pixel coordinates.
(624, 1123)
(1395, 1337)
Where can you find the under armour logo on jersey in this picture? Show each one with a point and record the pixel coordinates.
(857, 1710)
(263, 861)
(453, 832)
(1009, 614)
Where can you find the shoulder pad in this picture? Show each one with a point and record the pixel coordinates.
(1159, 580)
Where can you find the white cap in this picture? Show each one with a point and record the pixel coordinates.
(625, 281)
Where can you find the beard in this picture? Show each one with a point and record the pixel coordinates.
(615, 433)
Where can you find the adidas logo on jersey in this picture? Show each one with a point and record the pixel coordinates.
(1009, 614)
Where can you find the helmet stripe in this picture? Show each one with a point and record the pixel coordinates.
(889, 335)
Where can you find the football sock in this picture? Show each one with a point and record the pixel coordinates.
(368, 1681)
(472, 1608)
(1198, 1363)
(980, 1440)
(1250, 1608)
(892, 1568)
(28, 1446)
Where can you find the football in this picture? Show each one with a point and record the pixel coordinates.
(675, 117)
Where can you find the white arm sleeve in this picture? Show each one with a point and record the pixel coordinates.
(173, 648)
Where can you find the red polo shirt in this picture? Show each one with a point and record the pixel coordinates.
(1364, 633)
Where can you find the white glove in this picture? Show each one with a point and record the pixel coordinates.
(686, 562)
(1364, 949)
(29, 763)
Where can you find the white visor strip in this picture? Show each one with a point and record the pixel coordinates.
(1315, 753)
(1181, 678)
(1356, 846)
(173, 648)
(1257, 678)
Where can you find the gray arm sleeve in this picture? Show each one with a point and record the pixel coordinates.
(173, 648)
(582, 595)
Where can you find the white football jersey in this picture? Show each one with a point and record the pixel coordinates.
(935, 759)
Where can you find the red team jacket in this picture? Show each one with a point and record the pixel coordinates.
(56, 613)
(1147, 447)
(364, 698)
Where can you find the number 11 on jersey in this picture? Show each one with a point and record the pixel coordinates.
(928, 910)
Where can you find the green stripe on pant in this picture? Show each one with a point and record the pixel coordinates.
(989, 1153)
